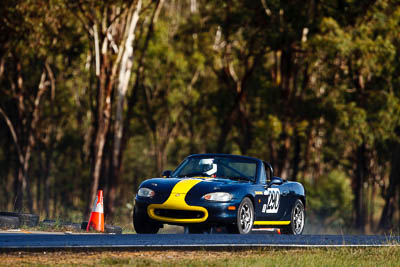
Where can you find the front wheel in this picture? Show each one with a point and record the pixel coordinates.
(296, 225)
(244, 218)
(143, 224)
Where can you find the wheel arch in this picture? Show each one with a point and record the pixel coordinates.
(251, 197)
(303, 200)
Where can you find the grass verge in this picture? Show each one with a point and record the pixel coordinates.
(387, 256)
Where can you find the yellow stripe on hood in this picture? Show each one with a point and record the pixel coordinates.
(176, 201)
(184, 186)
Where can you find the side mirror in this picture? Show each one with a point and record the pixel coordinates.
(166, 174)
(275, 181)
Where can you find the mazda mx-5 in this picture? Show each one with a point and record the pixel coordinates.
(217, 190)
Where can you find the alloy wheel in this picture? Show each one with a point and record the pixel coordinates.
(246, 217)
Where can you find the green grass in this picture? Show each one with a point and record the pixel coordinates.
(306, 257)
(384, 256)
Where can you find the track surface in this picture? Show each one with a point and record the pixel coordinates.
(41, 242)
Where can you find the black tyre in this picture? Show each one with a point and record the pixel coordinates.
(297, 219)
(244, 218)
(7, 222)
(26, 219)
(143, 224)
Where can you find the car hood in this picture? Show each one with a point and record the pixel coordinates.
(204, 185)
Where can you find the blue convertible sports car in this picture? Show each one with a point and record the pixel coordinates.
(214, 190)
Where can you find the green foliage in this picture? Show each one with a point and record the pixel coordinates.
(303, 88)
(329, 200)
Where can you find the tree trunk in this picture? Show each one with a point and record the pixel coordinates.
(46, 182)
(372, 201)
(385, 223)
(24, 149)
(359, 205)
(39, 173)
(225, 129)
(307, 153)
(8, 169)
(19, 193)
(125, 70)
(232, 115)
(239, 87)
(296, 157)
(282, 157)
(245, 127)
(105, 87)
(99, 145)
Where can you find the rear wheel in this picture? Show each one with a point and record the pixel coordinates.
(296, 225)
(244, 218)
(143, 224)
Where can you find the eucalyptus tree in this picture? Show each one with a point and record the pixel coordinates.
(33, 35)
(355, 59)
(111, 28)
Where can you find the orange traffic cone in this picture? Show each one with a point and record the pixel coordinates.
(96, 219)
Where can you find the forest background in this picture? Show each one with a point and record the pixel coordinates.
(105, 94)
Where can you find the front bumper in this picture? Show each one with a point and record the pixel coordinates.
(180, 213)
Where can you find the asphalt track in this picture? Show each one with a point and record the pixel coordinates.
(93, 242)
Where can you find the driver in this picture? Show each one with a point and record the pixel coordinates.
(207, 166)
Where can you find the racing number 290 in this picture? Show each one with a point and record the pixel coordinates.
(272, 205)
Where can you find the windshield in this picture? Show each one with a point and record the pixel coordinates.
(224, 167)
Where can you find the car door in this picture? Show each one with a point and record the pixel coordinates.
(274, 202)
(261, 198)
(271, 199)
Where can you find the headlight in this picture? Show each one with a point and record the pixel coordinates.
(146, 192)
(218, 196)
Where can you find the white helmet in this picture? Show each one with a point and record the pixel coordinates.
(208, 166)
